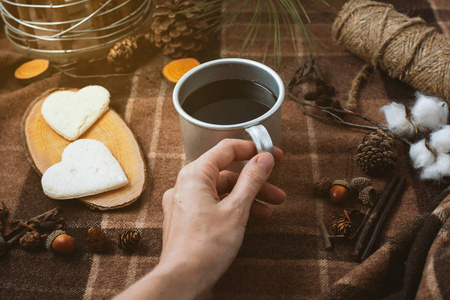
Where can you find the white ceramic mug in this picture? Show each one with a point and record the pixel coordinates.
(199, 136)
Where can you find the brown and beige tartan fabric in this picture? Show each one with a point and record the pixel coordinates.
(283, 258)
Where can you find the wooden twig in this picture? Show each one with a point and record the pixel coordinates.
(27, 226)
(53, 211)
(366, 216)
(398, 189)
(23, 227)
(371, 221)
(310, 70)
(327, 237)
(335, 119)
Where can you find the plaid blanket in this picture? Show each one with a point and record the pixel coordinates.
(283, 258)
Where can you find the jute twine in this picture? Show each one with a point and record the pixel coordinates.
(406, 48)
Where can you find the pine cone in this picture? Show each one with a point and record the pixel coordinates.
(97, 239)
(31, 240)
(177, 27)
(377, 153)
(342, 226)
(129, 240)
(125, 55)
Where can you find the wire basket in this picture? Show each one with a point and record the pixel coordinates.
(64, 30)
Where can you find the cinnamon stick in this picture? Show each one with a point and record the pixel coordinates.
(371, 221)
(376, 231)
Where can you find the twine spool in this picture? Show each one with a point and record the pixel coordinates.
(406, 48)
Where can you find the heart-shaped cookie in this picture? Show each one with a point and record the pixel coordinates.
(87, 168)
(70, 114)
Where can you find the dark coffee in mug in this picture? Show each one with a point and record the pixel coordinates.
(230, 101)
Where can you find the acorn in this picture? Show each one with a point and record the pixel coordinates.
(339, 191)
(59, 242)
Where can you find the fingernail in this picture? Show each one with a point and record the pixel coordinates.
(265, 161)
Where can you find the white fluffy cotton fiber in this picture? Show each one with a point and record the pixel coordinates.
(440, 140)
(429, 113)
(395, 115)
(421, 157)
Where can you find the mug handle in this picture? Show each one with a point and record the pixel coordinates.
(261, 138)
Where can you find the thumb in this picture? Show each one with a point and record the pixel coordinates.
(251, 180)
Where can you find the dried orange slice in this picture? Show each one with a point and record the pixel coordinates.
(174, 70)
(32, 70)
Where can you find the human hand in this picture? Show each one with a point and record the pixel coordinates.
(206, 213)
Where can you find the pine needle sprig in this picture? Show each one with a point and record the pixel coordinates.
(292, 13)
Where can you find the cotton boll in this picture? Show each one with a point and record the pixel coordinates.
(443, 165)
(440, 140)
(430, 173)
(428, 113)
(438, 170)
(395, 115)
(421, 157)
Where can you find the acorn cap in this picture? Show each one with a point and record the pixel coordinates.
(51, 237)
(368, 196)
(342, 182)
(358, 183)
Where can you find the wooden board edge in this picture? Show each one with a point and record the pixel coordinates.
(22, 128)
(89, 204)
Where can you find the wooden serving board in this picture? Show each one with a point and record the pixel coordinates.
(44, 148)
